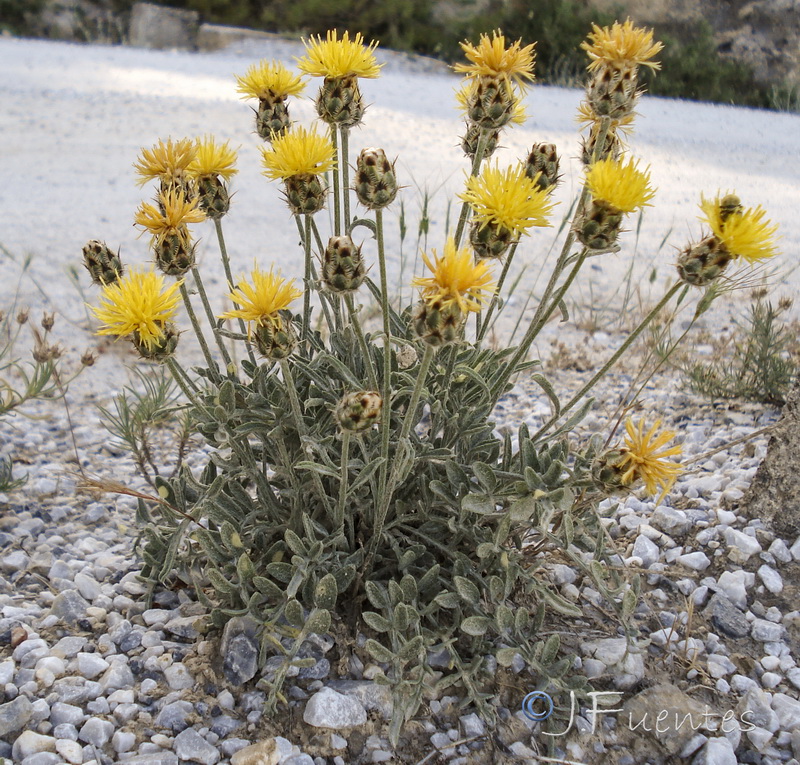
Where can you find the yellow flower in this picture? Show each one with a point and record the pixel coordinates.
(621, 185)
(166, 161)
(137, 303)
(491, 58)
(744, 232)
(644, 457)
(170, 216)
(213, 159)
(508, 199)
(334, 58)
(622, 46)
(464, 97)
(269, 80)
(260, 301)
(298, 152)
(456, 278)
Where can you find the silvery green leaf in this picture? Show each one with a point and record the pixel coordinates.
(376, 621)
(267, 587)
(295, 544)
(409, 587)
(376, 594)
(504, 617)
(379, 652)
(316, 467)
(318, 621)
(326, 592)
(476, 625)
(523, 509)
(550, 649)
(505, 656)
(483, 504)
(467, 590)
(628, 603)
(447, 599)
(413, 649)
(485, 475)
(294, 613)
(280, 571)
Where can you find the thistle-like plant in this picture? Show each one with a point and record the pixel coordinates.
(357, 478)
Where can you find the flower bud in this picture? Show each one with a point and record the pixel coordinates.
(174, 253)
(358, 411)
(607, 471)
(469, 143)
(103, 265)
(343, 267)
(272, 118)
(213, 194)
(598, 227)
(700, 264)
(542, 165)
(375, 181)
(490, 103)
(305, 193)
(490, 240)
(612, 92)
(88, 359)
(611, 148)
(48, 320)
(340, 102)
(162, 349)
(438, 323)
(276, 338)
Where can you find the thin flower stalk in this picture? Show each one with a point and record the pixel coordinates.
(198, 330)
(182, 378)
(337, 206)
(226, 264)
(483, 325)
(409, 421)
(386, 390)
(307, 280)
(297, 413)
(345, 132)
(201, 290)
(615, 357)
(483, 142)
(362, 341)
(343, 481)
(326, 300)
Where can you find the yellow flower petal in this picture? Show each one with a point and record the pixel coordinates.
(298, 152)
(745, 232)
(622, 46)
(212, 158)
(166, 160)
(335, 58)
(621, 185)
(137, 302)
(507, 198)
(456, 278)
(260, 300)
(491, 58)
(269, 80)
(645, 457)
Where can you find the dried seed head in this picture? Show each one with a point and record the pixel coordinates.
(103, 265)
(305, 193)
(438, 322)
(358, 411)
(343, 267)
(607, 471)
(48, 320)
(542, 165)
(700, 264)
(159, 348)
(22, 316)
(88, 359)
(375, 181)
(340, 101)
(785, 303)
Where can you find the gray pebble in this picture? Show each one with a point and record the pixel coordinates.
(173, 716)
(15, 715)
(190, 745)
(241, 659)
(96, 732)
(69, 606)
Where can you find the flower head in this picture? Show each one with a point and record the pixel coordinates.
(744, 232)
(507, 198)
(587, 118)
(334, 58)
(213, 159)
(645, 457)
(167, 161)
(137, 303)
(466, 97)
(455, 278)
(491, 58)
(170, 217)
(261, 300)
(621, 46)
(621, 185)
(298, 152)
(269, 80)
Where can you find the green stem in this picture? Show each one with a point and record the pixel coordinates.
(324, 296)
(613, 360)
(386, 390)
(409, 421)
(480, 150)
(297, 412)
(196, 327)
(307, 282)
(178, 373)
(212, 320)
(343, 481)
(362, 341)
(346, 177)
(226, 264)
(495, 297)
(337, 209)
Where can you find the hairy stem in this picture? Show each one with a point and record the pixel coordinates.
(198, 331)
(386, 390)
(362, 341)
(226, 357)
(480, 150)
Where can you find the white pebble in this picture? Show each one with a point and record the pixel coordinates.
(771, 579)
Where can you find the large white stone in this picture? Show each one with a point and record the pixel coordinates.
(329, 709)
